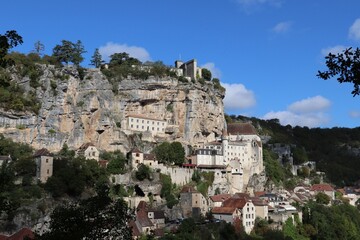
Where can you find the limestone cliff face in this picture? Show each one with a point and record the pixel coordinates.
(75, 111)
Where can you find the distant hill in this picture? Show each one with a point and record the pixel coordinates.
(336, 151)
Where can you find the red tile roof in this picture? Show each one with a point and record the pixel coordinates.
(188, 189)
(321, 187)
(135, 230)
(241, 129)
(42, 152)
(220, 197)
(24, 232)
(85, 146)
(136, 150)
(143, 219)
(223, 210)
(149, 156)
(235, 202)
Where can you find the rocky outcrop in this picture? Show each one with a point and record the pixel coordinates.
(75, 111)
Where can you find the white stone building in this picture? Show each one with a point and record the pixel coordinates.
(44, 164)
(239, 151)
(89, 151)
(141, 123)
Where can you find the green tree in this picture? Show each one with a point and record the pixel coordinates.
(162, 152)
(177, 153)
(345, 66)
(78, 51)
(98, 217)
(7, 41)
(143, 172)
(322, 198)
(116, 163)
(96, 59)
(69, 52)
(123, 58)
(39, 48)
(206, 74)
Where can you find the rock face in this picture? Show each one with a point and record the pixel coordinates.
(75, 111)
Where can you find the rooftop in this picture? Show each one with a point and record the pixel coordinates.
(241, 129)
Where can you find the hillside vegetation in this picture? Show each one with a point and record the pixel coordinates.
(335, 150)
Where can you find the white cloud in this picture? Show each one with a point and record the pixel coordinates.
(334, 50)
(282, 27)
(309, 112)
(313, 104)
(216, 73)
(134, 51)
(354, 114)
(354, 31)
(237, 97)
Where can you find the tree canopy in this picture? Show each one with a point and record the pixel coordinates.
(345, 66)
(69, 52)
(98, 217)
(7, 41)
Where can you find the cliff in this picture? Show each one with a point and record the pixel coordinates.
(74, 111)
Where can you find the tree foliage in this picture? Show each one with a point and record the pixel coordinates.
(170, 153)
(345, 66)
(206, 74)
(98, 217)
(69, 52)
(7, 41)
(96, 59)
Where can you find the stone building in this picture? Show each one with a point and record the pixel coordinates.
(44, 164)
(239, 151)
(138, 158)
(188, 69)
(192, 202)
(141, 123)
(89, 151)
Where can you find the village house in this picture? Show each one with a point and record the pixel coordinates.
(89, 151)
(324, 188)
(138, 158)
(217, 200)
(23, 233)
(192, 202)
(44, 164)
(147, 221)
(237, 207)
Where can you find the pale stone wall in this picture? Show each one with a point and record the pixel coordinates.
(248, 217)
(142, 124)
(178, 175)
(44, 168)
(92, 153)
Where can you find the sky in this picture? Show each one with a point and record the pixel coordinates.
(266, 53)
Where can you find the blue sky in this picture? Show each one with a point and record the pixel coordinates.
(266, 52)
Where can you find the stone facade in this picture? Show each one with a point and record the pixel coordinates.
(188, 69)
(239, 151)
(89, 151)
(140, 123)
(44, 165)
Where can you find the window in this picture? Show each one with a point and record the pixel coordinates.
(131, 119)
(137, 154)
(47, 161)
(48, 171)
(93, 153)
(142, 121)
(137, 120)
